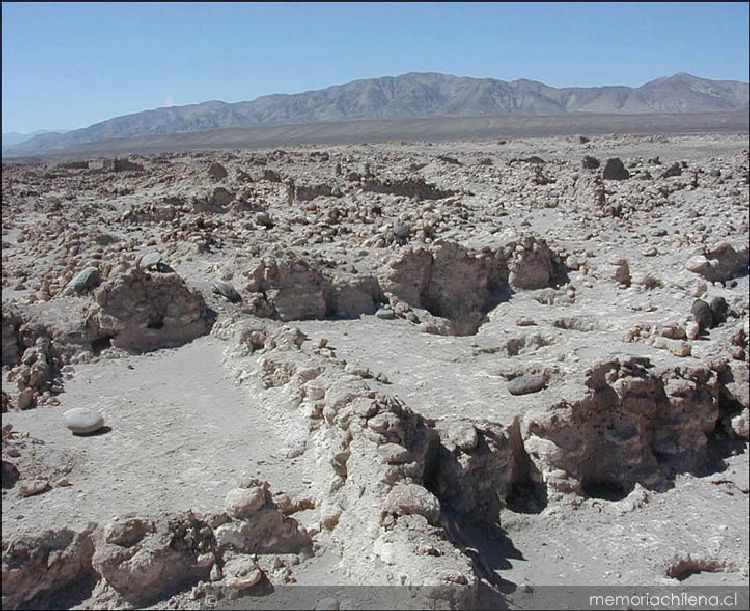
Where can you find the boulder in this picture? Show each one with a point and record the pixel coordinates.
(719, 309)
(526, 384)
(149, 260)
(243, 502)
(241, 571)
(217, 171)
(85, 280)
(701, 313)
(128, 531)
(82, 420)
(409, 499)
(227, 290)
(741, 424)
(386, 314)
(31, 487)
(614, 169)
(590, 163)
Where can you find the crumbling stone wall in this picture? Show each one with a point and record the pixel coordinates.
(636, 424)
(416, 188)
(142, 311)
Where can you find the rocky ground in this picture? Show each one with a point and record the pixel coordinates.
(475, 367)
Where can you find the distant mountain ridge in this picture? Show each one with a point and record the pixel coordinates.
(412, 96)
(10, 139)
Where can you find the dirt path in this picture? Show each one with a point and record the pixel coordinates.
(181, 434)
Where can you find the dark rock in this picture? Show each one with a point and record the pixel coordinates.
(526, 384)
(306, 193)
(10, 474)
(615, 170)
(401, 230)
(590, 163)
(73, 165)
(162, 268)
(217, 171)
(415, 188)
(719, 308)
(701, 312)
(227, 290)
(125, 165)
(84, 280)
(263, 219)
(222, 197)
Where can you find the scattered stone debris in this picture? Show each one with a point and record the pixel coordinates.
(344, 324)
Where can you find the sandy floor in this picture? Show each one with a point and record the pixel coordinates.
(181, 435)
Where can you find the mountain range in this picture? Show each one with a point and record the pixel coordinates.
(410, 96)
(10, 139)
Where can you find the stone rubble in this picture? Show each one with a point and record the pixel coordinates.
(445, 335)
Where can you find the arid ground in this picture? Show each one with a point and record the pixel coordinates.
(480, 367)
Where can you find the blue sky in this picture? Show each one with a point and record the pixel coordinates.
(68, 65)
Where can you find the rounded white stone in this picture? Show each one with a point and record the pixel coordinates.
(83, 420)
(149, 260)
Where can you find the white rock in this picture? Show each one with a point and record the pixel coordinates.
(741, 423)
(149, 260)
(82, 420)
(697, 264)
(241, 502)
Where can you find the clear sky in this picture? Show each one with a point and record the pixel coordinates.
(68, 65)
